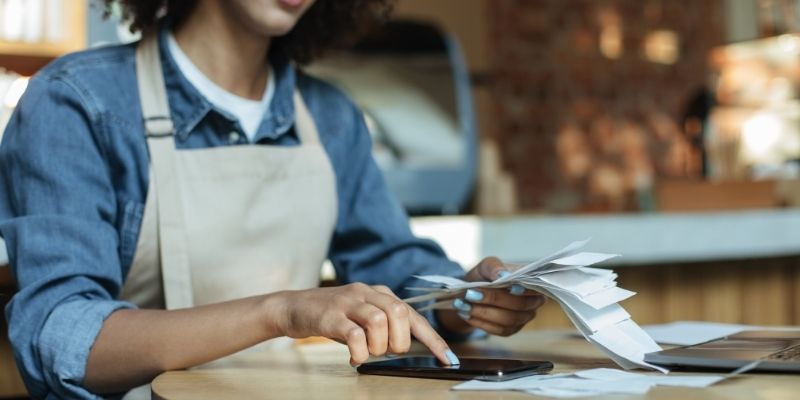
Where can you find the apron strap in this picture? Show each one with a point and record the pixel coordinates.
(305, 127)
(152, 91)
(173, 249)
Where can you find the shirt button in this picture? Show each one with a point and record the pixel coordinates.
(233, 137)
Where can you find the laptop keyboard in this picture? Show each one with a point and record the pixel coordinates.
(790, 354)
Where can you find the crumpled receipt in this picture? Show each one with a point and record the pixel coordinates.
(588, 296)
(593, 382)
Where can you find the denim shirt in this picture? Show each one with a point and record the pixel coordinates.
(73, 184)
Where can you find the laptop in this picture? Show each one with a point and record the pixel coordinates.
(777, 350)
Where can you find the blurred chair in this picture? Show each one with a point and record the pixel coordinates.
(411, 81)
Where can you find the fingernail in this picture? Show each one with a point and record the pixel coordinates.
(461, 305)
(464, 315)
(451, 357)
(503, 274)
(516, 290)
(473, 295)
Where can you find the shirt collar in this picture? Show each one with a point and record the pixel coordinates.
(188, 107)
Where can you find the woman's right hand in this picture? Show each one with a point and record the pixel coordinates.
(370, 320)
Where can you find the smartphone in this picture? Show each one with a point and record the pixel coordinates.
(487, 369)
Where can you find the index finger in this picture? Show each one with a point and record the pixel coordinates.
(423, 331)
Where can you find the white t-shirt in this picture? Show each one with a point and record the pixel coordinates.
(248, 112)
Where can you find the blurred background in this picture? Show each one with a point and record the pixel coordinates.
(667, 131)
(540, 105)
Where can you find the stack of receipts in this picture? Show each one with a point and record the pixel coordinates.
(589, 296)
(593, 382)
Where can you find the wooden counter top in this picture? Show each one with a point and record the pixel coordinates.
(320, 371)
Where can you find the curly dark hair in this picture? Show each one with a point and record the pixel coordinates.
(327, 24)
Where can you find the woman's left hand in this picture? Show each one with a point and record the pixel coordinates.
(500, 311)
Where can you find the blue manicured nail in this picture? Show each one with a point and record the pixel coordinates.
(516, 290)
(462, 305)
(473, 295)
(503, 274)
(464, 315)
(451, 357)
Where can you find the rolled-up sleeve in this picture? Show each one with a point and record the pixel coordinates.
(57, 208)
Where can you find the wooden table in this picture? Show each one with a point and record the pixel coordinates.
(320, 371)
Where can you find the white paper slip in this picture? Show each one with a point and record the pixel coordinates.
(598, 271)
(606, 374)
(635, 332)
(596, 387)
(592, 382)
(448, 281)
(584, 259)
(687, 380)
(626, 344)
(626, 356)
(570, 249)
(607, 297)
(524, 383)
(578, 282)
(571, 394)
(594, 319)
(687, 333)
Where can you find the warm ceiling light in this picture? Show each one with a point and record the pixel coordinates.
(610, 43)
(662, 47)
(761, 136)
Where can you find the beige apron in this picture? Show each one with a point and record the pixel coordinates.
(227, 222)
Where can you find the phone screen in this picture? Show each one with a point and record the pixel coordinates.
(492, 369)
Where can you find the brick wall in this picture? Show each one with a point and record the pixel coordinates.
(586, 129)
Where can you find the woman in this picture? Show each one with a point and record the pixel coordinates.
(170, 202)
